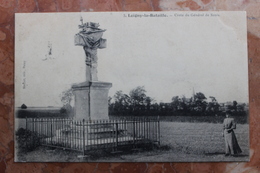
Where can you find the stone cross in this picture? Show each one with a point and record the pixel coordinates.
(90, 38)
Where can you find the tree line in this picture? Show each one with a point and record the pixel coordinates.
(137, 102)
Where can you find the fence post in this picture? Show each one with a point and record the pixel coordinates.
(33, 124)
(134, 131)
(33, 129)
(158, 120)
(51, 131)
(144, 128)
(116, 135)
(83, 125)
(26, 144)
(87, 125)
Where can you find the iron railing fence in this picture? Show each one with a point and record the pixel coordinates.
(95, 134)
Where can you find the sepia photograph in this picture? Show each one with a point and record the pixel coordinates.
(131, 87)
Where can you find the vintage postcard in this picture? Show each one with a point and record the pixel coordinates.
(131, 87)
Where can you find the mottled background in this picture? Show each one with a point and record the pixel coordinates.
(9, 7)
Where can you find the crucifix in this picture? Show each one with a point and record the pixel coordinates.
(90, 37)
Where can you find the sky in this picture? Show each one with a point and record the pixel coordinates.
(169, 56)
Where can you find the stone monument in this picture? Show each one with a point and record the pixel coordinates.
(91, 96)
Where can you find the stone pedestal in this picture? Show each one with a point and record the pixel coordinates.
(91, 100)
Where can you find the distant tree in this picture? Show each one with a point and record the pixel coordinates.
(66, 98)
(175, 104)
(67, 110)
(155, 107)
(213, 99)
(231, 106)
(181, 103)
(241, 107)
(162, 106)
(118, 96)
(185, 103)
(199, 102)
(137, 97)
(148, 102)
(23, 106)
(110, 105)
(213, 106)
(199, 97)
(235, 106)
(122, 101)
(109, 100)
(122, 98)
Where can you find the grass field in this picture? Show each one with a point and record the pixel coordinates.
(194, 142)
(180, 141)
(204, 139)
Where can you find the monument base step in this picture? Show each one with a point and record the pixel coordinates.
(83, 156)
(78, 143)
(96, 133)
(136, 149)
(116, 152)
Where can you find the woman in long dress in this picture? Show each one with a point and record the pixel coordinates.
(231, 144)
